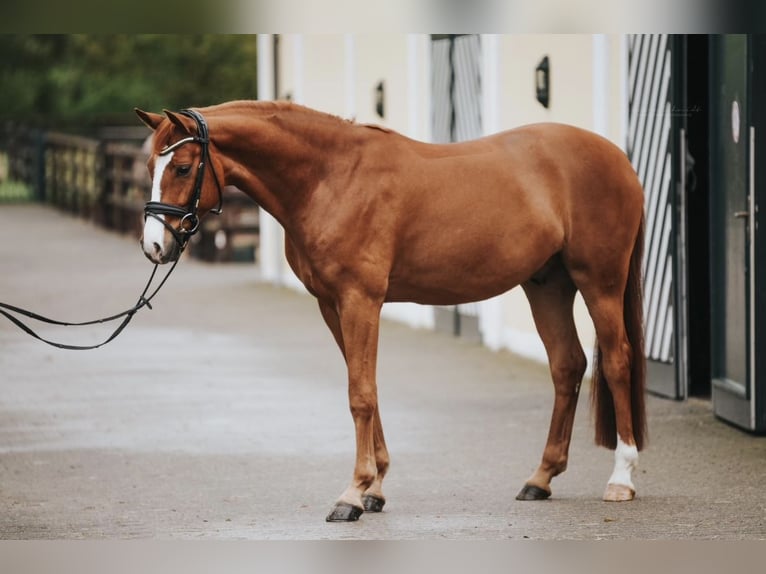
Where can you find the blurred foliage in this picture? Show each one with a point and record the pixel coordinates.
(91, 79)
(14, 192)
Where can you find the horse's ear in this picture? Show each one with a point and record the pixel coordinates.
(182, 122)
(150, 119)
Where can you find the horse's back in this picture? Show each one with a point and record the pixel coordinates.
(589, 166)
(474, 219)
(571, 168)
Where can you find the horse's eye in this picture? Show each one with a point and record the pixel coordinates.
(183, 170)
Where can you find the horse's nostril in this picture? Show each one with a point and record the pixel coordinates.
(157, 248)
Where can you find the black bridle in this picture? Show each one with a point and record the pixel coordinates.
(188, 218)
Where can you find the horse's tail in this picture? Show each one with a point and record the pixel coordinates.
(603, 405)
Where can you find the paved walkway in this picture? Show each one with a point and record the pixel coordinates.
(222, 414)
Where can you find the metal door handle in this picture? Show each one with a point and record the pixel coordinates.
(741, 214)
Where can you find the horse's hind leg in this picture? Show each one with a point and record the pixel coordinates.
(606, 309)
(551, 297)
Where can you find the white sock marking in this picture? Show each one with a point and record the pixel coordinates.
(625, 460)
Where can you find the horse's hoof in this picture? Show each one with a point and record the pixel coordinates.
(344, 512)
(532, 492)
(372, 503)
(618, 493)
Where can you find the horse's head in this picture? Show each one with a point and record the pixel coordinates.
(182, 190)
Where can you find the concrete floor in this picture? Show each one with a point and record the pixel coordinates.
(221, 414)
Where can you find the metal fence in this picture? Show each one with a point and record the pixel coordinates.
(107, 182)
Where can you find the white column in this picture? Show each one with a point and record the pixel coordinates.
(491, 312)
(298, 67)
(419, 86)
(624, 87)
(266, 69)
(287, 277)
(490, 86)
(601, 84)
(350, 109)
(271, 234)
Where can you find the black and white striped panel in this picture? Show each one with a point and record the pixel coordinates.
(649, 148)
(441, 89)
(456, 88)
(467, 62)
(456, 93)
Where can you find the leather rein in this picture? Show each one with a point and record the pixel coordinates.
(188, 216)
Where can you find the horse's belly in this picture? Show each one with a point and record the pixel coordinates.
(449, 274)
(435, 293)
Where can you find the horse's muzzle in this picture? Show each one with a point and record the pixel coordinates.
(161, 258)
(161, 253)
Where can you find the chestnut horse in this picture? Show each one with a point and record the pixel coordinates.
(371, 216)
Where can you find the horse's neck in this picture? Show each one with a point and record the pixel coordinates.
(278, 161)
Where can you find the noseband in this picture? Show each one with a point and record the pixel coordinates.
(188, 215)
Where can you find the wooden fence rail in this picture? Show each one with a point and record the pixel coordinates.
(107, 182)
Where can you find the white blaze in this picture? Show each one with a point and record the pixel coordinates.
(154, 231)
(625, 460)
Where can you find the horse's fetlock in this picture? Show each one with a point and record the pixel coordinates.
(555, 462)
(365, 477)
(382, 464)
(559, 466)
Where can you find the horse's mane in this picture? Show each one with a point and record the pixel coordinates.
(267, 107)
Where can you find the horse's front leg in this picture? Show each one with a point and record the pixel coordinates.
(373, 498)
(359, 320)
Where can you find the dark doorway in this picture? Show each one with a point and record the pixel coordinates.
(698, 112)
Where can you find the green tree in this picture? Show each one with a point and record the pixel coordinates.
(89, 79)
